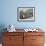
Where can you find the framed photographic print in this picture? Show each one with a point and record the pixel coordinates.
(26, 14)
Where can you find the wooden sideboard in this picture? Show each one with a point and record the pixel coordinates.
(23, 38)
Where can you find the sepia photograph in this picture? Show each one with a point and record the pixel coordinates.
(26, 14)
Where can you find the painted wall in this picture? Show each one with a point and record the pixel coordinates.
(8, 13)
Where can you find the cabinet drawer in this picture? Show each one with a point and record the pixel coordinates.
(34, 33)
(13, 33)
(37, 44)
(37, 39)
(8, 45)
(12, 44)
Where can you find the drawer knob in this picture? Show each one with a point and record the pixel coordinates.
(33, 39)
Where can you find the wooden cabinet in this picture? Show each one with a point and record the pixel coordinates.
(23, 38)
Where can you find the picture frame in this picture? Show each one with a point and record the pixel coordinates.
(26, 14)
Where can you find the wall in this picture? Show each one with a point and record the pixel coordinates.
(9, 13)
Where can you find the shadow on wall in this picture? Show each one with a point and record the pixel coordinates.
(2, 26)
